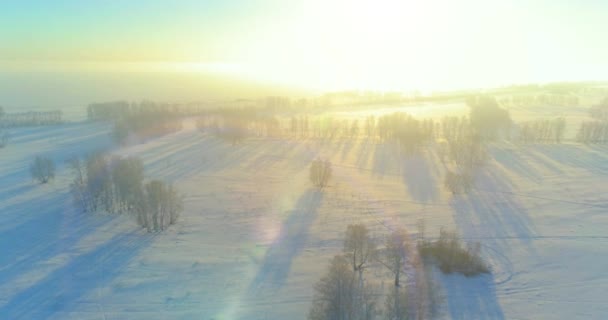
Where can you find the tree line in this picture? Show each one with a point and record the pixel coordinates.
(542, 131)
(30, 118)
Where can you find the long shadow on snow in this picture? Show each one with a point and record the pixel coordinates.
(196, 154)
(593, 159)
(53, 227)
(510, 159)
(82, 141)
(68, 286)
(419, 179)
(472, 298)
(364, 152)
(492, 212)
(386, 159)
(292, 238)
(531, 153)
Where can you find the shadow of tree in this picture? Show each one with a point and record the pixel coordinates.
(531, 153)
(386, 159)
(510, 159)
(420, 181)
(492, 210)
(593, 159)
(292, 238)
(472, 298)
(68, 286)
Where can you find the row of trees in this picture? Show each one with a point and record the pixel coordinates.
(31, 118)
(141, 120)
(544, 99)
(542, 131)
(593, 132)
(116, 110)
(116, 185)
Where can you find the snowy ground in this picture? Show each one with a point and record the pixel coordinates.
(255, 236)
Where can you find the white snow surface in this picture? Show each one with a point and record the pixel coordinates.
(255, 236)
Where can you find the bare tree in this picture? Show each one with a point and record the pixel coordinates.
(395, 253)
(359, 247)
(42, 169)
(339, 296)
(78, 187)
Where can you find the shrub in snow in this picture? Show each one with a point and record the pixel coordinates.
(451, 255)
(457, 182)
(4, 137)
(320, 173)
(42, 169)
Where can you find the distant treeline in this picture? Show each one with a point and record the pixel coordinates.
(543, 99)
(30, 118)
(116, 110)
(140, 120)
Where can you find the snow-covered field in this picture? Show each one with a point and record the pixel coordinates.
(255, 235)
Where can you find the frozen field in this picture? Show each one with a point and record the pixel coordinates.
(255, 235)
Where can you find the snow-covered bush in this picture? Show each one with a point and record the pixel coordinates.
(451, 255)
(320, 172)
(42, 169)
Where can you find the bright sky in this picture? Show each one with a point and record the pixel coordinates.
(322, 44)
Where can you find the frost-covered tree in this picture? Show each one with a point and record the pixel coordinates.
(339, 295)
(127, 176)
(99, 182)
(488, 119)
(78, 187)
(359, 247)
(159, 207)
(42, 169)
